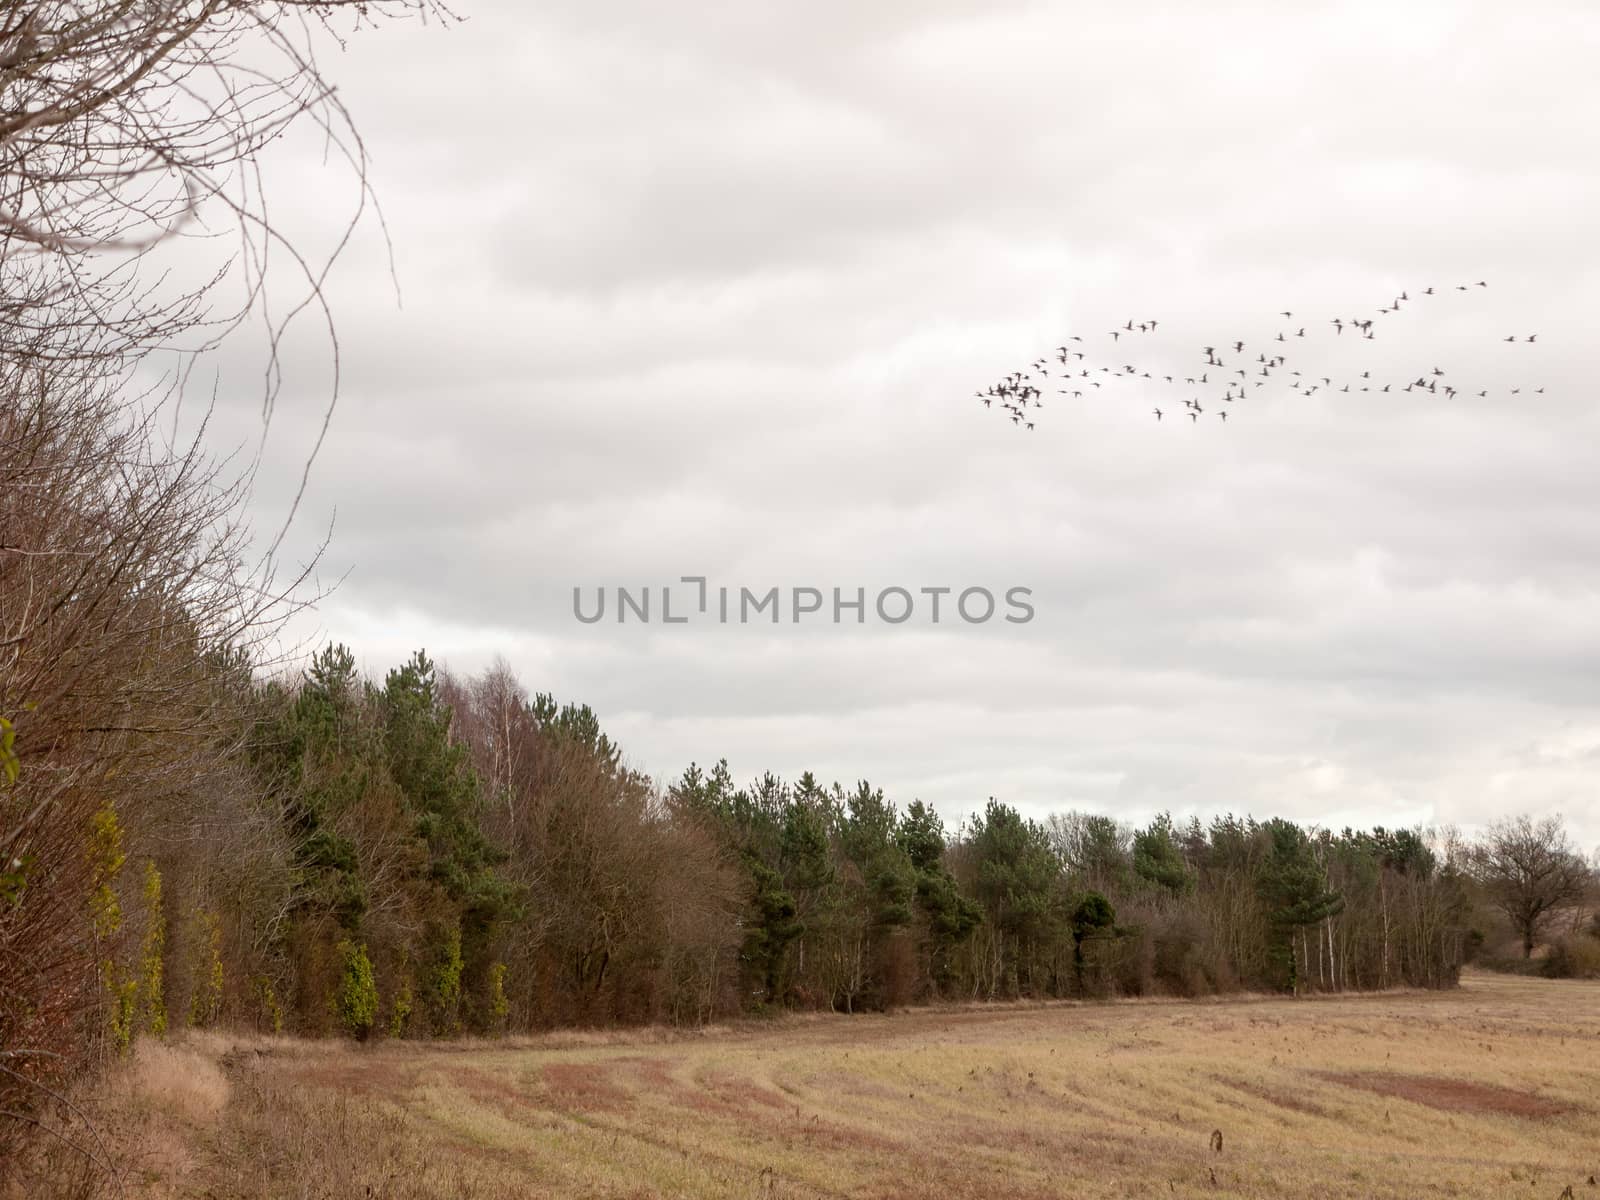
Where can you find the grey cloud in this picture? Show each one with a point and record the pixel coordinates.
(710, 293)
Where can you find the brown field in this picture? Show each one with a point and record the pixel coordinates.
(1492, 1090)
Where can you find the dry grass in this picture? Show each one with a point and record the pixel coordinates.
(1493, 1090)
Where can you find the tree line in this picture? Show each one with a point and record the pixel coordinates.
(427, 855)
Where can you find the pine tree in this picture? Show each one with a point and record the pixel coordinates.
(1293, 886)
(1158, 859)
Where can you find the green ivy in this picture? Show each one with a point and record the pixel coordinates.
(10, 764)
(124, 1012)
(447, 984)
(357, 1001)
(499, 1002)
(206, 1005)
(400, 1010)
(267, 1004)
(150, 958)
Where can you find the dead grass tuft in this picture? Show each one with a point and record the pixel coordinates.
(179, 1080)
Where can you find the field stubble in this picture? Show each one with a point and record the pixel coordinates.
(1492, 1090)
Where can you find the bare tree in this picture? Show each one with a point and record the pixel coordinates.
(1530, 870)
(128, 595)
(126, 619)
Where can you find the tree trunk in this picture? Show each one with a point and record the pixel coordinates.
(1383, 899)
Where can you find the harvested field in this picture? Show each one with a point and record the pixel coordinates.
(1491, 1090)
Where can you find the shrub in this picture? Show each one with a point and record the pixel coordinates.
(150, 960)
(105, 912)
(1130, 958)
(400, 1009)
(124, 1012)
(1182, 961)
(268, 1011)
(446, 989)
(1576, 956)
(105, 859)
(499, 1003)
(1092, 917)
(356, 1003)
(205, 1005)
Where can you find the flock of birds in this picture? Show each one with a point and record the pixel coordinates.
(1228, 372)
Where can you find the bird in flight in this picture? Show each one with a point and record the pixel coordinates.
(1018, 389)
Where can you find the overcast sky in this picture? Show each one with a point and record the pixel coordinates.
(708, 290)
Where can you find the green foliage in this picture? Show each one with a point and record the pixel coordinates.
(356, 1003)
(400, 1009)
(443, 795)
(780, 849)
(1158, 859)
(499, 1002)
(803, 848)
(268, 1010)
(10, 763)
(577, 724)
(437, 777)
(773, 894)
(1092, 914)
(105, 863)
(124, 1012)
(774, 926)
(921, 836)
(13, 875)
(152, 997)
(951, 916)
(1091, 917)
(1293, 886)
(205, 1005)
(444, 983)
(1291, 880)
(1403, 851)
(867, 832)
(318, 754)
(1018, 875)
(105, 914)
(1018, 881)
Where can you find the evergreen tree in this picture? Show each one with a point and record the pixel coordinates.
(1158, 858)
(1019, 885)
(1091, 917)
(949, 916)
(1293, 886)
